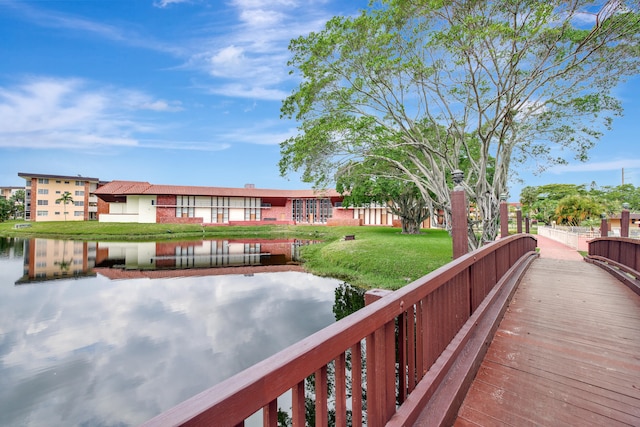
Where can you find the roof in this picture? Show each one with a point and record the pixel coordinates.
(123, 188)
(41, 175)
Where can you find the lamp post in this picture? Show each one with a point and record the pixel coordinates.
(504, 216)
(459, 216)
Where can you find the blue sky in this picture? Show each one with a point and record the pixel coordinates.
(185, 92)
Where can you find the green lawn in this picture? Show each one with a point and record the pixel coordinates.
(379, 257)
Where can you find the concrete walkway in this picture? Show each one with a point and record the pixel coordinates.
(555, 250)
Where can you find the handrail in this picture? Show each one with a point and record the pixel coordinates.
(406, 331)
(619, 256)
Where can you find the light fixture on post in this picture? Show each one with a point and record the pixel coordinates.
(458, 177)
(459, 216)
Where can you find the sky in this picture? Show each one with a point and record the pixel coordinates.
(187, 92)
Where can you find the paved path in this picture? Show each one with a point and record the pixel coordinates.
(566, 353)
(555, 250)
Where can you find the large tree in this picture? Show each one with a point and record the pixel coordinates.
(373, 182)
(17, 201)
(467, 80)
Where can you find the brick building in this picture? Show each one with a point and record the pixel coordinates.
(142, 202)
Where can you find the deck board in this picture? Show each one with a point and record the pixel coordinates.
(567, 352)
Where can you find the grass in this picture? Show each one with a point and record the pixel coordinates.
(379, 257)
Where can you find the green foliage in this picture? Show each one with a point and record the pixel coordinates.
(433, 86)
(65, 199)
(575, 204)
(5, 209)
(373, 181)
(348, 300)
(17, 201)
(575, 209)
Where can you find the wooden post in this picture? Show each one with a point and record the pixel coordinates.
(504, 219)
(624, 221)
(604, 227)
(527, 224)
(459, 225)
(519, 220)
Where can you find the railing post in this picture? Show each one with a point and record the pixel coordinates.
(624, 220)
(504, 216)
(459, 225)
(519, 220)
(604, 227)
(527, 224)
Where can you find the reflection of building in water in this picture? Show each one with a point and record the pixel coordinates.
(47, 259)
(197, 254)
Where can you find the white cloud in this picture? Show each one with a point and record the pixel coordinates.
(250, 59)
(240, 90)
(613, 165)
(68, 113)
(261, 18)
(261, 134)
(165, 3)
(64, 21)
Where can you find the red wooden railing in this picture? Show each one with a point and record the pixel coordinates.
(399, 349)
(620, 256)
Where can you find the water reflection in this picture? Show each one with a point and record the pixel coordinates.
(49, 259)
(89, 350)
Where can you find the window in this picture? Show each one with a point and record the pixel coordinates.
(78, 203)
(185, 206)
(251, 210)
(220, 210)
(57, 191)
(79, 193)
(43, 180)
(56, 213)
(43, 202)
(66, 182)
(43, 213)
(78, 213)
(43, 191)
(80, 183)
(311, 210)
(28, 183)
(58, 181)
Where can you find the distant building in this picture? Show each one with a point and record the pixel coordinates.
(7, 192)
(43, 191)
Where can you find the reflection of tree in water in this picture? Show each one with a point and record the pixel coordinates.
(9, 243)
(64, 265)
(348, 300)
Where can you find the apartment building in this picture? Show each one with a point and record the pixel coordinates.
(7, 192)
(42, 194)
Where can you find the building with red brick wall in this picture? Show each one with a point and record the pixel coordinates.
(142, 202)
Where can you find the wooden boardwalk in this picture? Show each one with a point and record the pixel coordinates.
(567, 353)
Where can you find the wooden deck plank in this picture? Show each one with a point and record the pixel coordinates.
(567, 353)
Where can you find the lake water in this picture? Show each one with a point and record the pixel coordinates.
(112, 334)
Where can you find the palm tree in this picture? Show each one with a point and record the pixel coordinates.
(65, 198)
